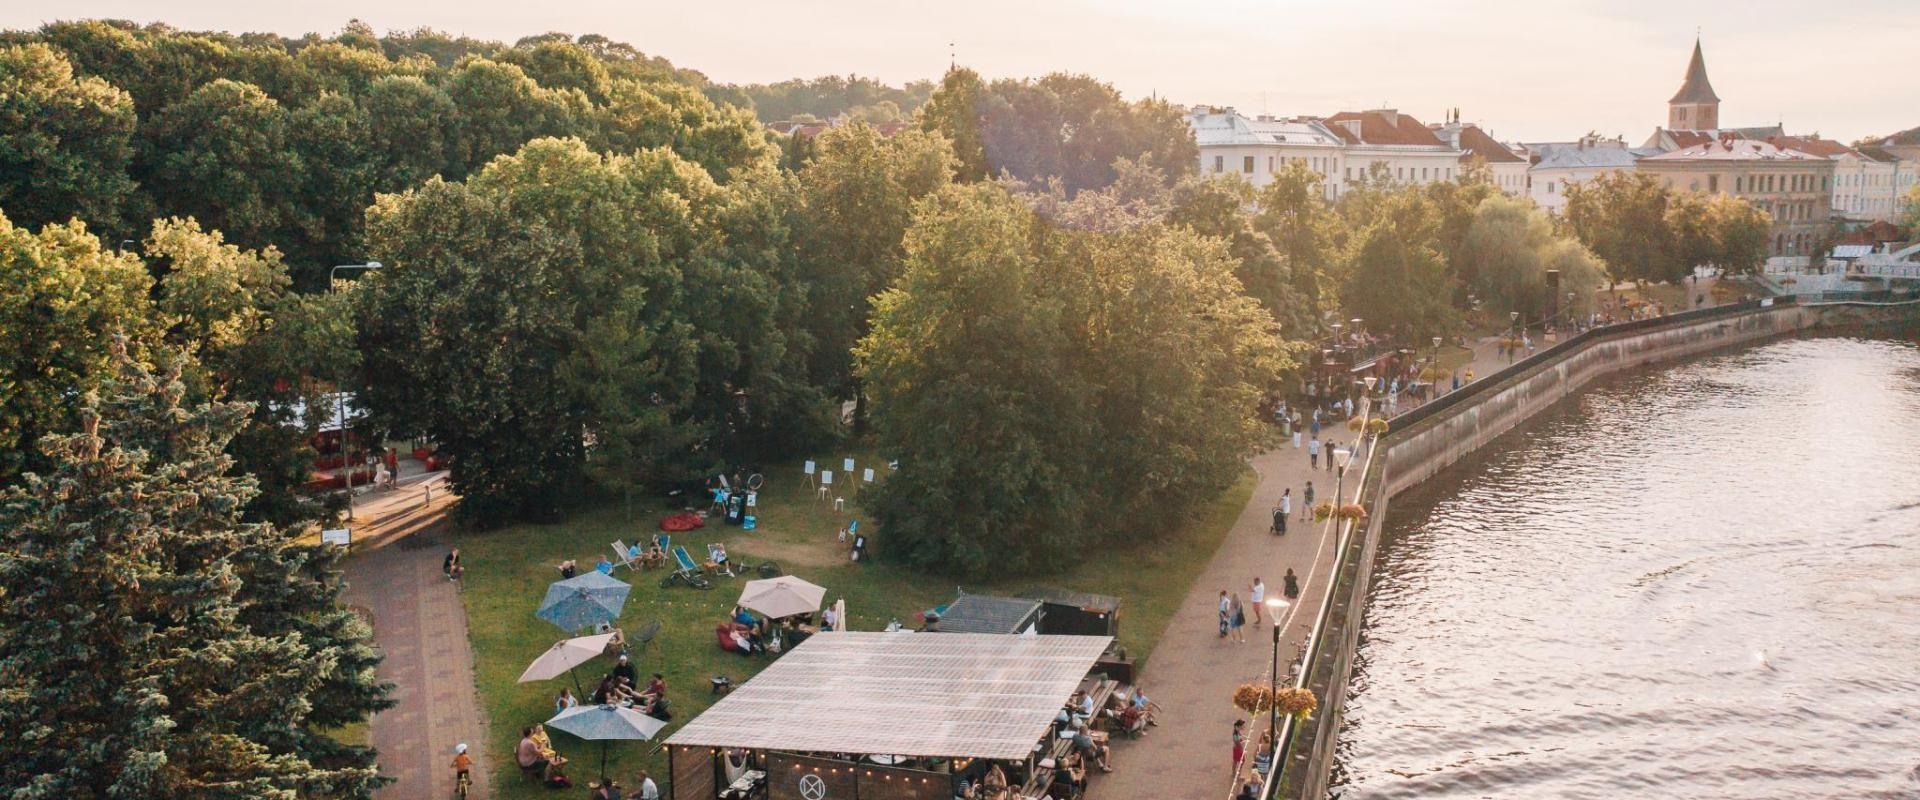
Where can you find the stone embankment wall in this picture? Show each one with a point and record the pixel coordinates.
(1436, 435)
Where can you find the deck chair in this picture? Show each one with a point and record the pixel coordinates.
(684, 561)
(622, 557)
(717, 553)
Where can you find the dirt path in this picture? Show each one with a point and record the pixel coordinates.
(394, 577)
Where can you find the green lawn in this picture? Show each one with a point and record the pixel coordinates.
(508, 571)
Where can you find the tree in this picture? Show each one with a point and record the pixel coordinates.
(1033, 379)
(1075, 128)
(954, 111)
(1622, 218)
(1296, 218)
(856, 197)
(65, 142)
(1910, 211)
(225, 158)
(1399, 282)
(65, 294)
(208, 655)
(1513, 245)
(559, 298)
(1217, 207)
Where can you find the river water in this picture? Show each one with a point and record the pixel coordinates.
(1701, 581)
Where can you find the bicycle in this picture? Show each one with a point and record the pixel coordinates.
(693, 579)
(462, 785)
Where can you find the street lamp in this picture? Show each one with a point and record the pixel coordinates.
(1274, 604)
(339, 393)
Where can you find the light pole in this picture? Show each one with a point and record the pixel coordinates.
(339, 392)
(1274, 604)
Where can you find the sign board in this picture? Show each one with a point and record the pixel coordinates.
(826, 477)
(846, 465)
(1766, 302)
(339, 536)
(867, 475)
(810, 467)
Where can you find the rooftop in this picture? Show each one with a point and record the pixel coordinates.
(1226, 127)
(1810, 145)
(1734, 150)
(980, 613)
(1572, 156)
(1382, 126)
(1696, 89)
(962, 695)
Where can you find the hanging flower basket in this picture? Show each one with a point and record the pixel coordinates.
(1253, 698)
(1353, 511)
(1377, 427)
(1322, 510)
(1297, 702)
(1353, 424)
(1435, 373)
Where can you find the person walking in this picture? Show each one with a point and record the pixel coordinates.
(1315, 427)
(1296, 435)
(1286, 507)
(1313, 453)
(1290, 585)
(1306, 506)
(1257, 595)
(1238, 621)
(1226, 607)
(1239, 746)
(1330, 448)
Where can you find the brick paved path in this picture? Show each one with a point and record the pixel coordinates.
(394, 577)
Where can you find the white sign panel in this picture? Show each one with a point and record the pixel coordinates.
(339, 536)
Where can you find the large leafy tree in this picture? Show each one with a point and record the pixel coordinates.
(856, 200)
(206, 656)
(1297, 219)
(1399, 282)
(560, 299)
(1033, 378)
(224, 156)
(1512, 245)
(1622, 218)
(955, 111)
(1739, 234)
(65, 293)
(65, 142)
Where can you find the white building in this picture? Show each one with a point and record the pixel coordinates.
(1256, 148)
(1507, 169)
(1556, 165)
(1864, 187)
(1393, 145)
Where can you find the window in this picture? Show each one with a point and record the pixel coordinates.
(1549, 187)
(1349, 173)
(1246, 165)
(1826, 184)
(1219, 163)
(1269, 163)
(1713, 183)
(1739, 184)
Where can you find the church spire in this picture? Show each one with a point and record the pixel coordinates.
(1697, 89)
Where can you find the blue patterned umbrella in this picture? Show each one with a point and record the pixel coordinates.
(583, 601)
(605, 723)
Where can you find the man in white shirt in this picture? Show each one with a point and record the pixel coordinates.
(648, 789)
(1259, 597)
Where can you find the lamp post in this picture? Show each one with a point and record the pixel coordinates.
(1274, 604)
(339, 393)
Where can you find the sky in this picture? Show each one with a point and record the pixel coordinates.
(1526, 70)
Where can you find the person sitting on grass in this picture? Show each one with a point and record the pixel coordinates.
(655, 554)
(528, 756)
(623, 669)
(568, 569)
(603, 566)
(608, 790)
(742, 643)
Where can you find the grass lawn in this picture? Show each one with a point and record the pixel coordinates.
(508, 571)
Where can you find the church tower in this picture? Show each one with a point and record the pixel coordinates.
(1695, 107)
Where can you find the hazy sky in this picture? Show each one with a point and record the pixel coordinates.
(1526, 69)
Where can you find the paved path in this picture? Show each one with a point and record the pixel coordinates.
(1193, 672)
(394, 577)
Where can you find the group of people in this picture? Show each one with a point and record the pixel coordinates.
(1262, 761)
(609, 789)
(537, 758)
(749, 635)
(1233, 612)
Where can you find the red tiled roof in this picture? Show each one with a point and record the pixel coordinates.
(1476, 142)
(1809, 145)
(1377, 128)
(1685, 139)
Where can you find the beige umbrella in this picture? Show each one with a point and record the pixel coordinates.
(564, 655)
(784, 596)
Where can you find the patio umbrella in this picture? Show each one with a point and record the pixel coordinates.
(583, 601)
(604, 724)
(563, 656)
(784, 596)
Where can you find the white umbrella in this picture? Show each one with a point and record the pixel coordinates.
(784, 596)
(564, 655)
(606, 723)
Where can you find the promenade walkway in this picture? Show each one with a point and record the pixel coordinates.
(420, 627)
(1193, 672)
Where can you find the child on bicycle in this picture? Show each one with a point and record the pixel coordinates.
(462, 765)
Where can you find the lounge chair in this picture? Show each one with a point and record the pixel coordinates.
(684, 561)
(717, 556)
(687, 572)
(622, 557)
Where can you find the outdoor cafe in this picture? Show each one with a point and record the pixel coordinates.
(888, 716)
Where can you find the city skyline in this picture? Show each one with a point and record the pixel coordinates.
(1509, 66)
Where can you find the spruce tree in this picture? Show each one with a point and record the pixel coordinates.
(151, 644)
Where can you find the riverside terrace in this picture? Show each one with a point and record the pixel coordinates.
(901, 716)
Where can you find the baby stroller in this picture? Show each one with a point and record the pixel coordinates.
(1279, 522)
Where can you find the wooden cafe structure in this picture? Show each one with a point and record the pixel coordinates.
(889, 716)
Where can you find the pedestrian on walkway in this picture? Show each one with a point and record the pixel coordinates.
(1331, 445)
(1239, 619)
(1296, 437)
(1256, 596)
(1307, 496)
(1290, 585)
(1313, 453)
(1315, 427)
(1226, 607)
(1239, 746)
(1286, 507)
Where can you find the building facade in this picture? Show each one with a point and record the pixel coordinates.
(1391, 146)
(1505, 168)
(1796, 188)
(1255, 148)
(1557, 165)
(1863, 186)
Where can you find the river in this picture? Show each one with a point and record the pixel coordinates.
(1698, 581)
